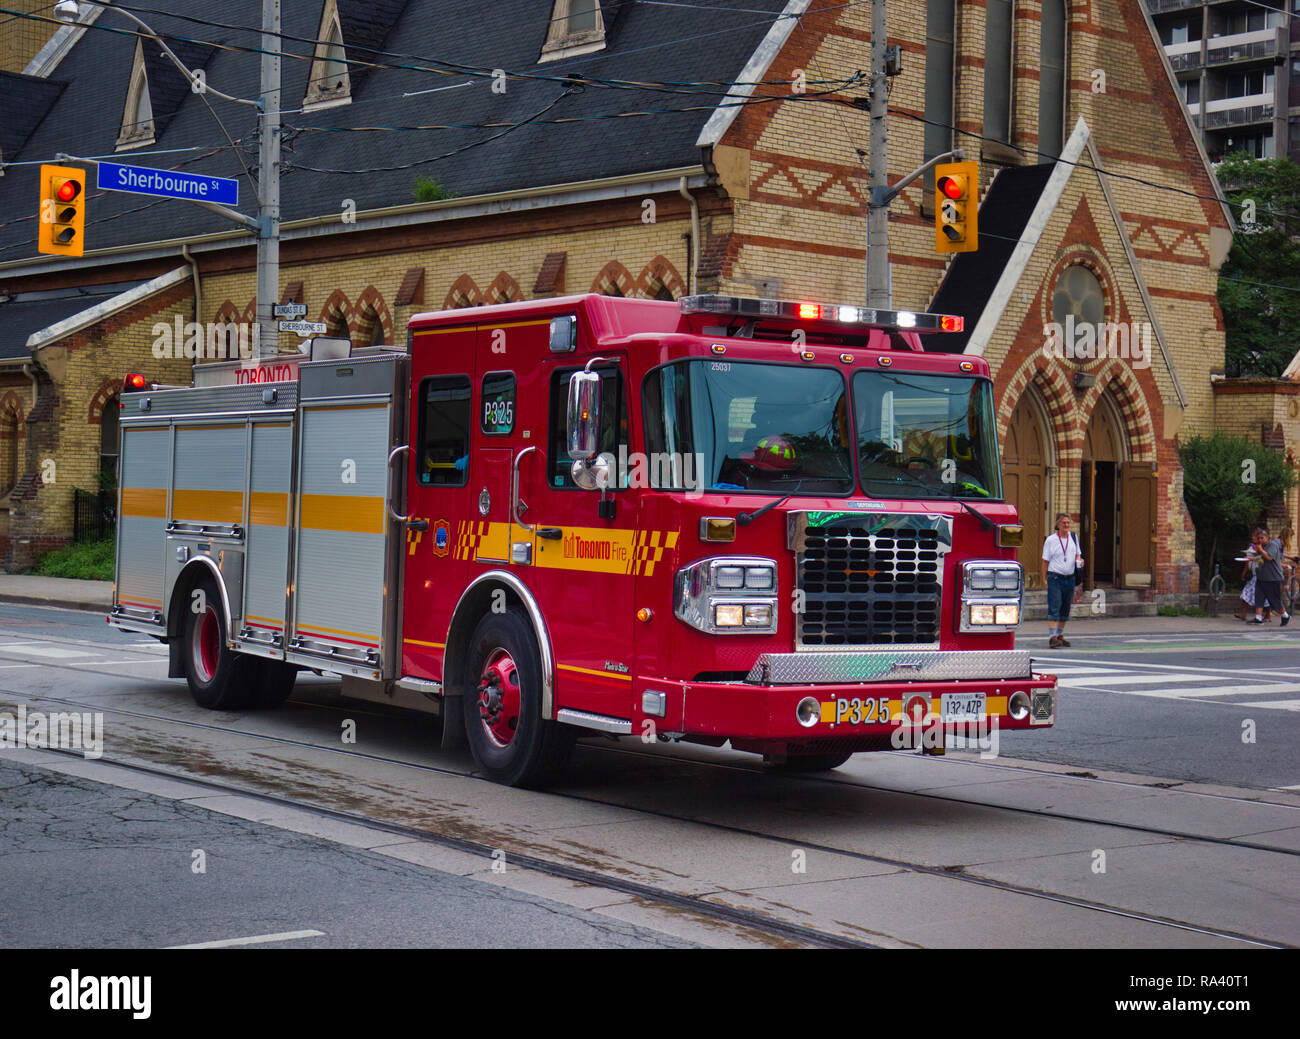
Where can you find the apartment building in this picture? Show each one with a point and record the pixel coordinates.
(1237, 63)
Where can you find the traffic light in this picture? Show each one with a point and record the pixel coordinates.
(956, 211)
(62, 216)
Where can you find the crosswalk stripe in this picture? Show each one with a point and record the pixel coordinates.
(1283, 705)
(1125, 678)
(1193, 693)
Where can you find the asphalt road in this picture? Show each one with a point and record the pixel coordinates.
(1216, 707)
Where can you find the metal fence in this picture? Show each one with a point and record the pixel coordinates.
(94, 515)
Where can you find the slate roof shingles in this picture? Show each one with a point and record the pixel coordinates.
(649, 44)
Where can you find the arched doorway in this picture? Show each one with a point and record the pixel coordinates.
(1103, 456)
(1025, 460)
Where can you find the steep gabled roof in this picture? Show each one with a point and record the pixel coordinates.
(497, 141)
(25, 101)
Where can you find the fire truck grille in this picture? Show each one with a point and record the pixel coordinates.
(870, 586)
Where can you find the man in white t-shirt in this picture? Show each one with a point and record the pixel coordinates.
(1061, 557)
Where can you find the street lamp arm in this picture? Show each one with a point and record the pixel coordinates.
(881, 197)
(189, 74)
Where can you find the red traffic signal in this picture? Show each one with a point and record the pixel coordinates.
(68, 190)
(952, 187)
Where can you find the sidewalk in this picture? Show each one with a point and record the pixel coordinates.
(96, 596)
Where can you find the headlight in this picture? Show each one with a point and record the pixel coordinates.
(730, 576)
(981, 614)
(731, 615)
(735, 595)
(990, 595)
(763, 577)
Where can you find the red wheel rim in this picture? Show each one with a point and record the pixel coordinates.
(207, 645)
(498, 698)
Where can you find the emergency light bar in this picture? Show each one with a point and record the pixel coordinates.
(751, 307)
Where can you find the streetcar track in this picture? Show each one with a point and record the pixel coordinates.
(598, 878)
(646, 891)
(1155, 831)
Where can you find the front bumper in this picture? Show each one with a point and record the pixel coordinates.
(850, 711)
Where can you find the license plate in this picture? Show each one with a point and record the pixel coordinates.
(960, 707)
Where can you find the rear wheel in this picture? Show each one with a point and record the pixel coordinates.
(503, 707)
(272, 682)
(219, 679)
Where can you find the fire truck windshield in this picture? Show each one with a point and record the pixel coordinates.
(925, 436)
(744, 426)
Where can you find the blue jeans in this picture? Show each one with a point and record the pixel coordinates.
(1060, 591)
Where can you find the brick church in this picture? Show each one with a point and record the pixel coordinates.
(635, 149)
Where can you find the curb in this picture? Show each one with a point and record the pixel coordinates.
(65, 604)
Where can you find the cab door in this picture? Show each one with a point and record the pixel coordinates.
(584, 566)
(440, 491)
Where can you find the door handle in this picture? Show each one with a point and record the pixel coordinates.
(518, 507)
(550, 533)
(414, 524)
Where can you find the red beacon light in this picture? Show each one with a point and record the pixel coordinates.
(952, 323)
(810, 311)
(135, 381)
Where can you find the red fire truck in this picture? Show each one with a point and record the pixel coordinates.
(773, 523)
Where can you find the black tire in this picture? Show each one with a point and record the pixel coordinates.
(812, 762)
(272, 682)
(503, 718)
(219, 679)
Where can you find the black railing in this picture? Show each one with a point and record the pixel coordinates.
(94, 515)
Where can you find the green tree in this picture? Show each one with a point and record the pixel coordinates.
(1228, 484)
(1259, 284)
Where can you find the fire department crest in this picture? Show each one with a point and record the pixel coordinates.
(441, 537)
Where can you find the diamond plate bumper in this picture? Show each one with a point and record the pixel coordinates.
(820, 668)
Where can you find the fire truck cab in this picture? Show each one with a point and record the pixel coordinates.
(717, 519)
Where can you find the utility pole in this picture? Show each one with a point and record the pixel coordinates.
(878, 282)
(268, 214)
(267, 225)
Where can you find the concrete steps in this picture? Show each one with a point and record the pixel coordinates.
(1119, 602)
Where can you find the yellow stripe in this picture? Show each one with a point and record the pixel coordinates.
(208, 506)
(346, 512)
(345, 407)
(268, 508)
(443, 331)
(144, 501)
(431, 645)
(590, 671)
(127, 597)
(479, 324)
(264, 620)
(311, 628)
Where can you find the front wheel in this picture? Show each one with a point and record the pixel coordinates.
(510, 740)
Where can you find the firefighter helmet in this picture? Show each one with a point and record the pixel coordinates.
(774, 453)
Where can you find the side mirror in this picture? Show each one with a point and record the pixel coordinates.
(584, 415)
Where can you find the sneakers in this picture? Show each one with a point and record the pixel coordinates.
(1054, 642)
(1061, 640)
(1285, 617)
(1255, 620)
